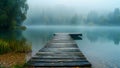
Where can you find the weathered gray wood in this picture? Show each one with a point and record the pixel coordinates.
(68, 34)
(64, 41)
(56, 58)
(61, 51)
(54, 45)
(54, 61)
(61, 64)
(75, 36)
(60, 56)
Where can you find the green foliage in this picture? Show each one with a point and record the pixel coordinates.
(2, 66)
(19, 46)
(108, 19)
(18, 66)
(4, 47)
(23, 28)
(3, 17)
(14, 46)
(20, 28)
(12, 13)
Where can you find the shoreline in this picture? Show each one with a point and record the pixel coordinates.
(9, 60)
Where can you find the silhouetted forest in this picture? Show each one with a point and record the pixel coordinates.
(66, 17)
(12, 13)
(112, 18)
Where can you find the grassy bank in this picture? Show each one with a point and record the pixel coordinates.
(13, 53)
(14, 46)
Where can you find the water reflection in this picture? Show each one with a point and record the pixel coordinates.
(38, 38)
(109, 34)
(98, 44)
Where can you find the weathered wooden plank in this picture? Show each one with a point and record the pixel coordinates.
(58, 57)
(75, 36)
(65, 44)
(55, 61)
(62, 43)
(60, 64)
(72, 55)
(56, 41)
(61, 38)
(61, 51)
(52, 45)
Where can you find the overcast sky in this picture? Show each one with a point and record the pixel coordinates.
(81, 5)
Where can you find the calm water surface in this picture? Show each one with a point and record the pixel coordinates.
(100, 45)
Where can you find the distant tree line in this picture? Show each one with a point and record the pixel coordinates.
(92, 18)
(111, 19)
(12, 13)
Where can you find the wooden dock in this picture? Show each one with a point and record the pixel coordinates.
(60, 51)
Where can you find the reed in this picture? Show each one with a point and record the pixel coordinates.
(14, 46)
(18, 66)
(4, 47)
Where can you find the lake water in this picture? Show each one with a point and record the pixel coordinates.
(99, 44)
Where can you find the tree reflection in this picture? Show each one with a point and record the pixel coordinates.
(105, 34)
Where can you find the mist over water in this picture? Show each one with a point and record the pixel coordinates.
(73, 12)
(97, 20)
(81, 6)
(101, 46)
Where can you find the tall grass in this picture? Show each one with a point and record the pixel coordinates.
(14, 46)
(1, 66)
(18, 66)
(4, 47)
